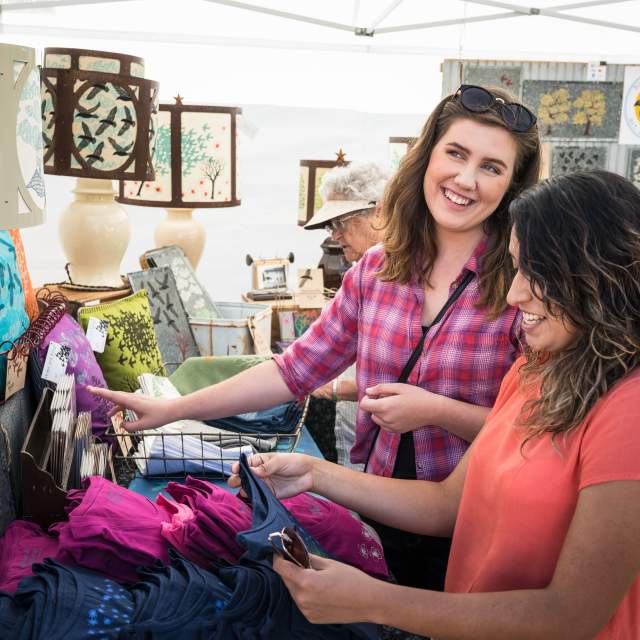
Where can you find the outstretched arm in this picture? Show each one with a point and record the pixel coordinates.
(599, 561)
(423, 507)
(257, 388)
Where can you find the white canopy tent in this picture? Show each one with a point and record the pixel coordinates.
(311, 77)
(342, 53)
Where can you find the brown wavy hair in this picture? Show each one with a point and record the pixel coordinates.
(409, 238)
(579, 239)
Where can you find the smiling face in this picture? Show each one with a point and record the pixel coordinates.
(469, 172)
(543, 331)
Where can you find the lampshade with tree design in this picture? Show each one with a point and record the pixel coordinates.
(196, 168)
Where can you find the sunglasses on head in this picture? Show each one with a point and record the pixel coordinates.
(290, 546)
(478, 100)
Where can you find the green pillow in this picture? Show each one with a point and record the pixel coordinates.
(132, 347)
(195, 373)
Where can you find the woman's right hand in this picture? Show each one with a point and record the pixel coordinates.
(286, 474)
(151, 412)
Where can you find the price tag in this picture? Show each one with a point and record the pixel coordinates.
(55, 364)
(16, 371)
(97, 333)
(596, 71)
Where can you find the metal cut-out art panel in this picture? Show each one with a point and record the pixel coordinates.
(505, 77)
(570, 159)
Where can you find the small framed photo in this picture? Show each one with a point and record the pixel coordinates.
(272, 277)
(270, 274)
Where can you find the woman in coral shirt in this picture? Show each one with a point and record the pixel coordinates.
(545, 506)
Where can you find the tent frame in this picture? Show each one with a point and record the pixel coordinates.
(512, 11)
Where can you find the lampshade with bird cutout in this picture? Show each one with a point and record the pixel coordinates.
(99, 115)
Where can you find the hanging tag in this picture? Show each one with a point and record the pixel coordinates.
(55, 364)
(16, 371)
(596, 71)
(97, 333)
(122, 435)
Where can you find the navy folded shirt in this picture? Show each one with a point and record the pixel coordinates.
(280, 419)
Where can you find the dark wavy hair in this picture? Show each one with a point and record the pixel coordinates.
(579, 238)
(409, 238)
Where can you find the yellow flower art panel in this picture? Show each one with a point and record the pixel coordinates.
(575, 109)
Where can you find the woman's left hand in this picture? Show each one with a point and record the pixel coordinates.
(331, 592)
(399, 408)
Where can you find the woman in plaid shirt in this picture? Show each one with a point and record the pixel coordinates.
(446, 221)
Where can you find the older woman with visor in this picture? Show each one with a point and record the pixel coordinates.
(424, 315)
(351, 207)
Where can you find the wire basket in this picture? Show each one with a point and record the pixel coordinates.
(174, 455)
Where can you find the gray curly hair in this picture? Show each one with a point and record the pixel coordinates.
(358, 181)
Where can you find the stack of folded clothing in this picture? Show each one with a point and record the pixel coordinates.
(219, 516)
(115, 531)
(112, 530)
(261, 605)
(64, 602)
(283, 418)
(178, 601)
(211, 533)
(187, 446)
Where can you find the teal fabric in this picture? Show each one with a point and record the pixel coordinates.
(13, 317)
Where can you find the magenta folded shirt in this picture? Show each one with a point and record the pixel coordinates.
(23, 544)
(112, 530)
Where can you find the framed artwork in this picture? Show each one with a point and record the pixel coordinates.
(633, 166)
(575, 109)
(503, 76)
(271, 276)
(303, 319)
(630, 120)
(269, 273)
(569, 159)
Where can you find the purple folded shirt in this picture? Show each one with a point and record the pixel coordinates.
(23, 544)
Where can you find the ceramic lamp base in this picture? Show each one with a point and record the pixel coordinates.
(180, 228)
(94, 233)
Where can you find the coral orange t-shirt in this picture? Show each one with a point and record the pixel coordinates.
(517, 506)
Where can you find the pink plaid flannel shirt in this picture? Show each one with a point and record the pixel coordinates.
(378, 324)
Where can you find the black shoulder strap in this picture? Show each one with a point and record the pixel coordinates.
(413, 358)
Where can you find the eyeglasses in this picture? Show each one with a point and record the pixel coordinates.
(478, 100)
(339, 224)
(290, 546)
